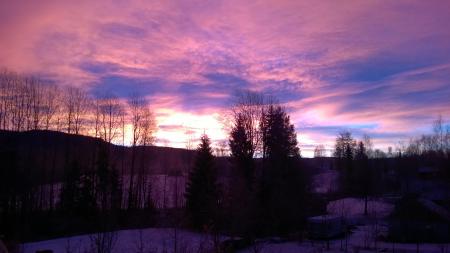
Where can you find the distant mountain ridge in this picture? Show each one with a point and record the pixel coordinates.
(42, 150)
(49, 152)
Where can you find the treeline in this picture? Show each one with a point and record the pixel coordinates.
(90, 190)
(29, 103)
(32, 201)
(267, 195)
(266, 182)
(266, 192)
(365, 171)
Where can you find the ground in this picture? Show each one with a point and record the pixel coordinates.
(162, 240)
(153, 240)
(150, 240)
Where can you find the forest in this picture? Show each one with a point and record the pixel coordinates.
(67, 169)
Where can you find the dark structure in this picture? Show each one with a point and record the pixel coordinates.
(325, 226)
(419, 220)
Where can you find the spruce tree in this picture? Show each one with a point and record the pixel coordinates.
(201, 190)
(107, 182)
(282, 190)
(77, 195)
(279, 136)
(71, 189)
(345, 149)
(239, 203)
(242, 150)
(362, 180)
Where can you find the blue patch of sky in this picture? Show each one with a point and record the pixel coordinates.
(125, 87)
(123, 30)
(98, 67)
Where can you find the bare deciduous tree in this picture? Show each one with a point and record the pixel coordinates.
(50, 105)
(368, 144)
(319, 151)
(103, 242)
(75, 109)
(143, 127)
(221, 148)
(148, 127)
(250, 107)
(108, 117)
(190, 139)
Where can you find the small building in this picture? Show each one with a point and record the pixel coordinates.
(3, 248)
(325, 226)
(419, 220)
(427, 173)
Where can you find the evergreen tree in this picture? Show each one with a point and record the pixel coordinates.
(279, 136)
(240, 201)
(107, 181)
(363, 178)
(103, 178)
(77, 196)
(71, 188)
(201, 190)
(86, 201)
(283, 185)
(242, 150)
(345, 149)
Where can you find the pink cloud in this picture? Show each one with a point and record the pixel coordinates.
(302, 48)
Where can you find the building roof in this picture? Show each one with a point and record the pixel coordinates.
(326, 217)
(435, 208)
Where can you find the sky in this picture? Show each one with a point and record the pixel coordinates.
(380, 68)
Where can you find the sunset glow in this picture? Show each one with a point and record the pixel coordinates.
(380, 68)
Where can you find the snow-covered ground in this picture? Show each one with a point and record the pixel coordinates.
(361, 240)
(354, 207)
(166, 191)
(155, 240)
(325, 182)
(150, 240)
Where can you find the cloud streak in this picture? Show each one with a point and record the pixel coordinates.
(349, 63)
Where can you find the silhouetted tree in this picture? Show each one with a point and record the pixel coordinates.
(143, 127)
(279, 136)
(71, 188)
(344, 153)
(148, 128)
(77, 195)
(109, 110)
(75, 109)
(50, 105)
(239, 203)
(9, 188)
(282, 190)
(319, 151)
(242, 149)
(202, 194)
(107, 181)
(135, 104)
(362, 181)
(250, 107)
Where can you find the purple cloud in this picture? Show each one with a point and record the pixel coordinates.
(350, 64)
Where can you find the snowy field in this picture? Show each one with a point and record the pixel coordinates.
(354, 207)
(166, 191)
(155, 240)
(150, 240)
(325, 182)
(164, 240)
(361, 240)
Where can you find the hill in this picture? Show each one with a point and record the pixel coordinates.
(51, 152)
